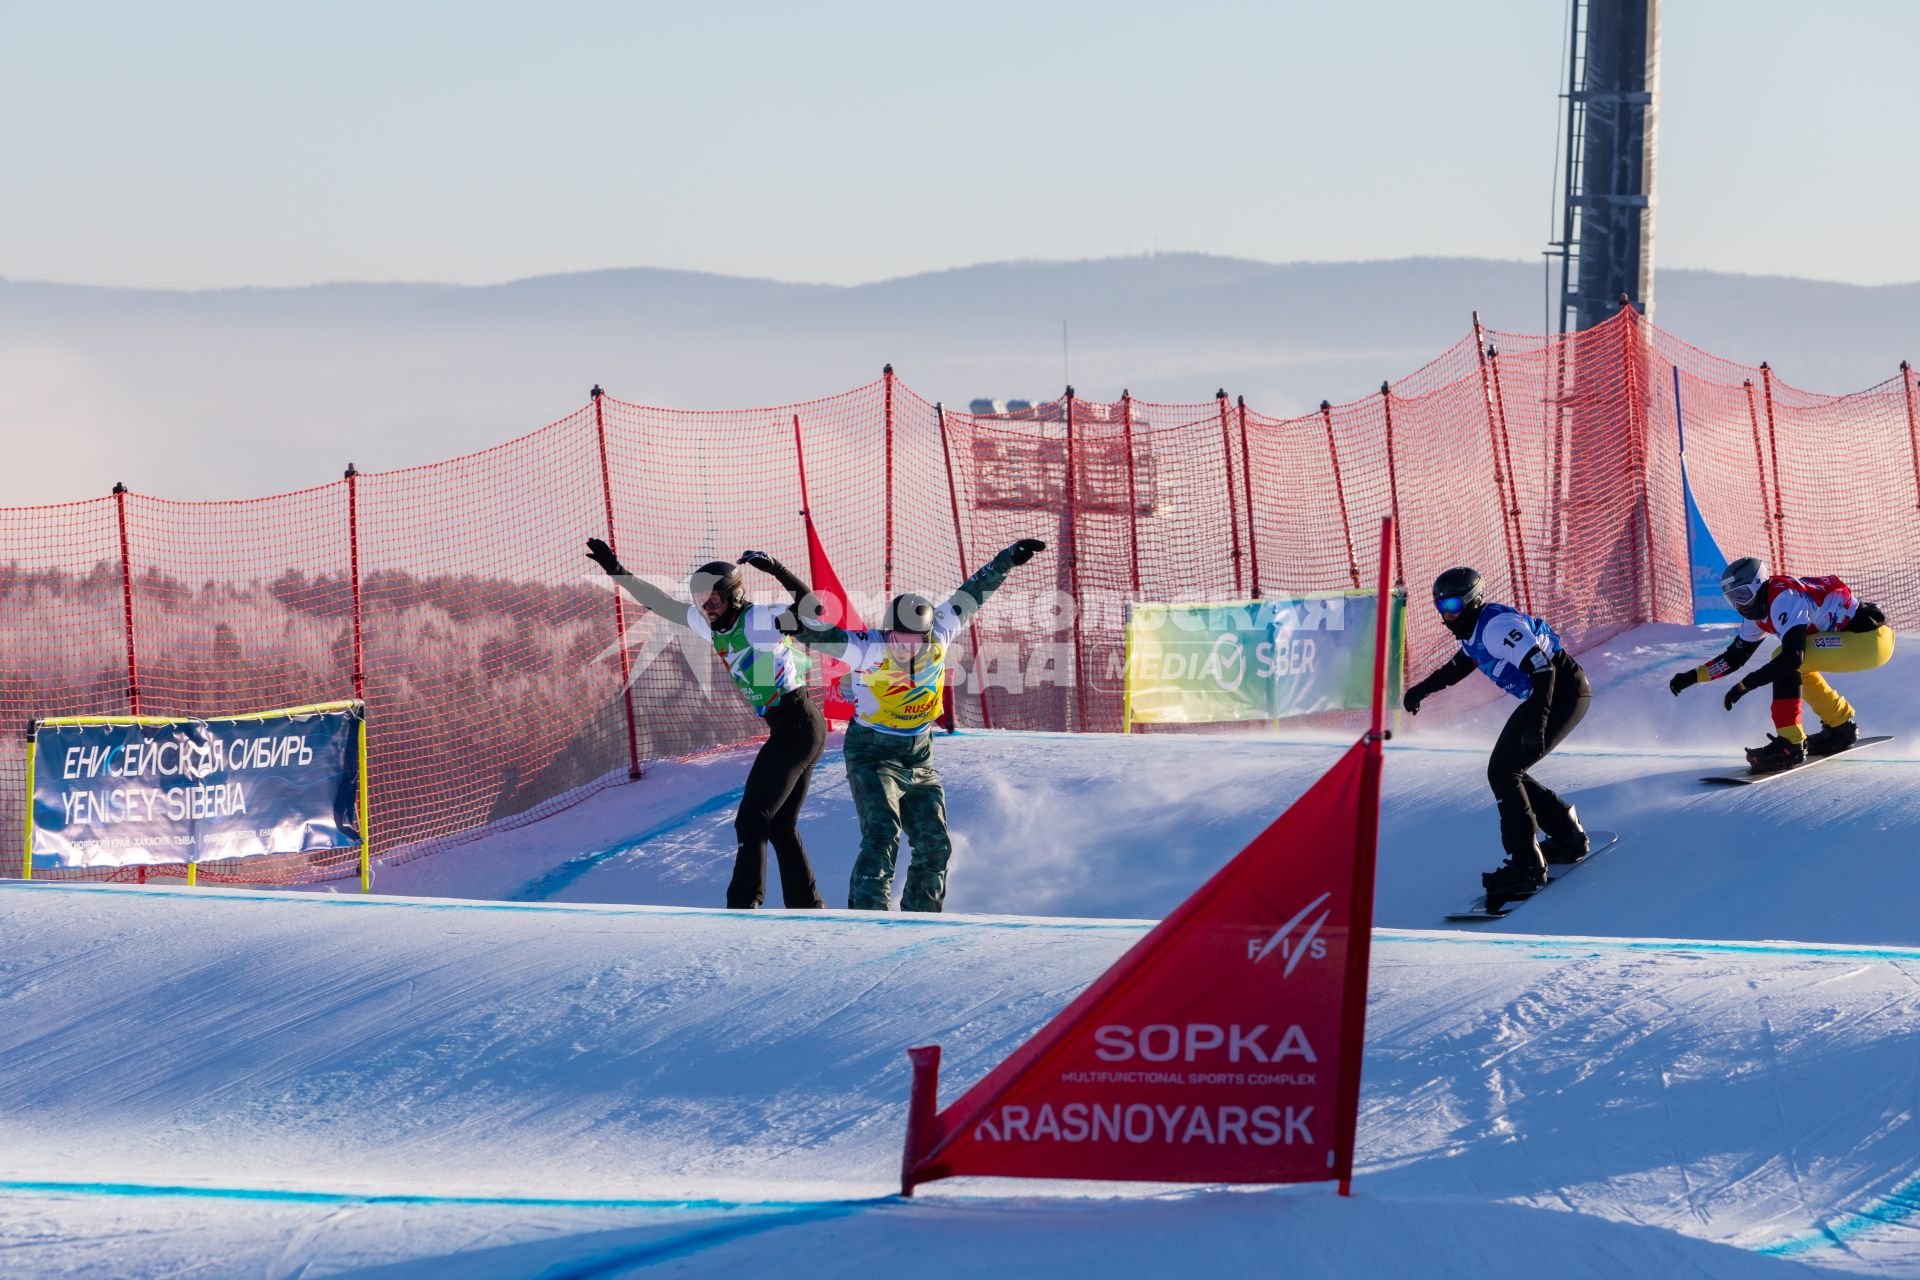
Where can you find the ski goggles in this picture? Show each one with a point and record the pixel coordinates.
(1452, 606)
(1741, 593)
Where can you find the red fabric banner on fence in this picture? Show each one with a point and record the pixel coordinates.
(1216, 1049)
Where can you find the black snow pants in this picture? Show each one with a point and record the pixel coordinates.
(1523, 803)
(770, 806)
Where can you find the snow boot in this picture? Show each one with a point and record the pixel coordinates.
(1832, 739)
(1569, 846)
(1513, 880)
(1778, 754)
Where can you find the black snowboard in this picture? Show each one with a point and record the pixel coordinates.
(1598, 842)
(1748, 777)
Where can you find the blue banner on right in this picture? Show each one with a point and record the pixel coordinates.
(1708, 563)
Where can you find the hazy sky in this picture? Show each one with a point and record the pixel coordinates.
(195, 144)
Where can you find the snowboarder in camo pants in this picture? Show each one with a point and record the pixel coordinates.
(1821, 628)
(899, 687)
(1523, 656)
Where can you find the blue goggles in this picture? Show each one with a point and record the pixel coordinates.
(1451, 605)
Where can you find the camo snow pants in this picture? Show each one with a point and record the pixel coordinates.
(894, 785)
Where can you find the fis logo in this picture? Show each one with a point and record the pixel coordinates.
(1292, 949)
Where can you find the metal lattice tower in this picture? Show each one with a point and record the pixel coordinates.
(1606, 240)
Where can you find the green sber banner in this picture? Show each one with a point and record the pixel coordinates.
(1258, 659)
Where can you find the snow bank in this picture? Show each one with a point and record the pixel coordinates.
(314, 1083)
(1113, 826)
(1558, 1098)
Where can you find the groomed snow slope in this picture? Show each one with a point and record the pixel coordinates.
(1608, 1107)
(1084, 825)
(205, 1082)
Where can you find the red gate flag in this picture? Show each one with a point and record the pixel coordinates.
(836, 607)
(1225, 1045)
(837, 611)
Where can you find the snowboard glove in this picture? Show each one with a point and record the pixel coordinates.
(1868, 617)
(1737, 692)
(1685, 680)
(775, 570)
(1533, 742)
(1025, 550)
(602, 554)
(1414, 697)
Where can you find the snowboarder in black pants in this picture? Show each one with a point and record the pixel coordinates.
(1523, 656)
(754, 643)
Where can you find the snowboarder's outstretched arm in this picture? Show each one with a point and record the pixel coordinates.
(788, 621)
(1458, 668)
(986, 580)
(854, 646)
(648, 595)
(815, 634)
(796, 585)
(803, 622)
(1730, 660)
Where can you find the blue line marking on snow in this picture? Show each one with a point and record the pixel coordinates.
(542, 888)
(901, 920)
(144, 1190)
(623, 1261)
(1897, 1206)
(915, 920)
(1823, 950)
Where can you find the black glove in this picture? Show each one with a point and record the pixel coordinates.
(1533, 742)
(1412, 699)
(1685, 680)
(602, 554)
(779, 572)
(1025, 550)
(1737, 692)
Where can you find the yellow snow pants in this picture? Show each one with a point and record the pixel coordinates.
(1839, 652)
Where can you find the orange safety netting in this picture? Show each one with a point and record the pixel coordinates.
(456, 599)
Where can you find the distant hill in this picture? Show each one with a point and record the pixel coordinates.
(238, 392)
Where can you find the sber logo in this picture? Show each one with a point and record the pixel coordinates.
(1293, 950)
(1227, 663)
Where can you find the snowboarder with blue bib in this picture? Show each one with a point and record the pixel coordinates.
(1523, 656)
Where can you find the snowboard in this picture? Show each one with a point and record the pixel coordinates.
(1747, 777)
(1598, 842)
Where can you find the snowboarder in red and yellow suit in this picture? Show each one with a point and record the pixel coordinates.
(1821, 628)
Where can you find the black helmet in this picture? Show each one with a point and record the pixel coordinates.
(1744, 585)
(1458, 594)
(718, 576)
(909, 612)
(1459, 591)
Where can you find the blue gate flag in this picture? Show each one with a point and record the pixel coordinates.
(1705, 562)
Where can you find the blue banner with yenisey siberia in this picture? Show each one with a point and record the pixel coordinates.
(126, 792)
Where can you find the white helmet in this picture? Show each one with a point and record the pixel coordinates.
(1744, 585)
